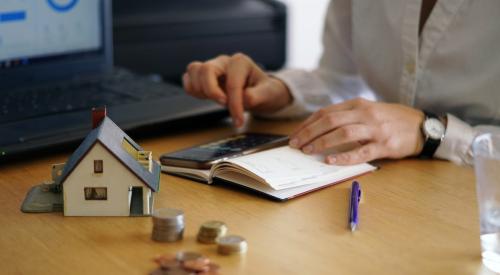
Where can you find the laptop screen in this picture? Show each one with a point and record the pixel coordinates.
(44, 30)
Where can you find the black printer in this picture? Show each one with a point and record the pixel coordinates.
(163, 36)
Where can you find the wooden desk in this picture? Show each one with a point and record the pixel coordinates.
(418, 217)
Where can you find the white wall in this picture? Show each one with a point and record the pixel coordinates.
(115, 177)
(305, 29)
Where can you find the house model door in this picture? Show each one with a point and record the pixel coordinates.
(136, 202)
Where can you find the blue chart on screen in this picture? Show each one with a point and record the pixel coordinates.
(65, 6)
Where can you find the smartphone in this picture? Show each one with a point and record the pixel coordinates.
(203, 156)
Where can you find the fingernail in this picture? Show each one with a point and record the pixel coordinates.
(238, 122)
(331, 159)
(308, 149)
(294, 143)
(221, 101)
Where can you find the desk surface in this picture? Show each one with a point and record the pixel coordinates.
(418, 217)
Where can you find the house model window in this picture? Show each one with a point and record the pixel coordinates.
(127, 146)
(98, 167)
(96, 193)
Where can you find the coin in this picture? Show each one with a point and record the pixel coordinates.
(168, 216)
(163, 213)
(211, 230)
(198, 265)
(168, 225)
(231, 244)
(166, 262)
(187, 256)
(185, 262)
(173, 271)
(213, 227)
(167, 236)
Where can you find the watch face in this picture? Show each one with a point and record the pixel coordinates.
(434, 128)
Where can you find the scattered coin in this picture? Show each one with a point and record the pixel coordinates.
(198, 265)
(172, 271)
(168, 225)
(210, 231)
(183, 256)
(185, 263)
(166, 262)
(231, 244)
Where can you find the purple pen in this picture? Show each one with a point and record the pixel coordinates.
(355, 198)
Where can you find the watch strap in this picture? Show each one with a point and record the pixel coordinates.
(430, 144)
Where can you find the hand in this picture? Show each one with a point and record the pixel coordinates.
(236, 81)
(382, 130)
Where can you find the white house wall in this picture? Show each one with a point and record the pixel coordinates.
(116, 177)
(146, 196)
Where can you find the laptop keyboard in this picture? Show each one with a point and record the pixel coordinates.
(118, 88)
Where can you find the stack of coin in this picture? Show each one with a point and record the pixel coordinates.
(231, 244)
(210, 231)
(168, 225)
(185, 263)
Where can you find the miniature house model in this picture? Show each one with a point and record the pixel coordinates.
(108, 175)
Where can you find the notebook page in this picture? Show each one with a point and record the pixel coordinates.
(197, 174)
(284, 167)
(288, 193)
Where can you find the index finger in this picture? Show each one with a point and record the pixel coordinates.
(237, 74)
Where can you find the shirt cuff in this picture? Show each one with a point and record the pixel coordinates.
(457, 143)
(296, 81)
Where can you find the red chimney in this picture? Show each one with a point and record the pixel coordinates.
(98, 114)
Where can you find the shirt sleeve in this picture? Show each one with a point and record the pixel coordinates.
(457, 143)
(336, 79)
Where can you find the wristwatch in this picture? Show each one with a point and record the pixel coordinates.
(433, 129)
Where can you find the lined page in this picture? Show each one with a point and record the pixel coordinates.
(284, 167)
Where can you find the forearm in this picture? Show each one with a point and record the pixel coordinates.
(312, 90)
(336, 79)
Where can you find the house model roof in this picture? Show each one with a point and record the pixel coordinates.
(111, 137)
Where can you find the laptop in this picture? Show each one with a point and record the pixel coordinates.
(56, 64)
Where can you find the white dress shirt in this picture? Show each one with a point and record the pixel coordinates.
(373, 49)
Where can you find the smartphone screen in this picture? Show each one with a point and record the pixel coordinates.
(204, 155)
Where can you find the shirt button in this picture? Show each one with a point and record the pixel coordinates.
(410, 67)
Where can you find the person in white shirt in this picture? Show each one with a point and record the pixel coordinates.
(400, 78)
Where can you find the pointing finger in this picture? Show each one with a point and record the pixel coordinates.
(238, 71)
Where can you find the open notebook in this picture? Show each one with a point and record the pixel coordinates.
(282, 173)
